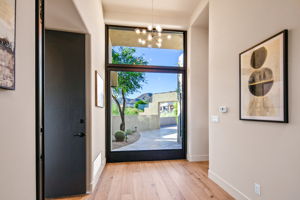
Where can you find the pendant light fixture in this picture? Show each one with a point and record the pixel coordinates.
(152, 36)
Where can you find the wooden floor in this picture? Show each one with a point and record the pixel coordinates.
(157, 180)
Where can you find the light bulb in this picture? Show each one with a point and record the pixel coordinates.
(137, 31)
(140, 40)
(159, 40)
(143, 42)
(144, 31)
(169, 37)
(158, 28)
(150, 28)
(149, 37)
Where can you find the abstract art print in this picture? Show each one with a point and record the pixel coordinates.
(99, 91)
(7, 44)
(263, 81)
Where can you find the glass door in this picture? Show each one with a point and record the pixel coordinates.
(145, 101)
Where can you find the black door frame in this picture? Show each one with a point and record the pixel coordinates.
(144, 155)
(39, 96)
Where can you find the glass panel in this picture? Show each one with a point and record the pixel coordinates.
(146, 111)
(143, 47)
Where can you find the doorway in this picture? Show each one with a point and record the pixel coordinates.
(64, 114)
(146, 92)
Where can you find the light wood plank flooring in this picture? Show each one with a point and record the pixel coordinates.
(156, 180)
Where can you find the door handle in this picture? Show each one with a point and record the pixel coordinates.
(81, 134)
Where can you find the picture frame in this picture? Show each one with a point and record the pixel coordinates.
(263, 80)
(99, 90)
(7, 44)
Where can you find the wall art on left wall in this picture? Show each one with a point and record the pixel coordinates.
(7, 43)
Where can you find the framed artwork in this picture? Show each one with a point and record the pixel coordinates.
(99, 91)
(264, 80)
(7, 43)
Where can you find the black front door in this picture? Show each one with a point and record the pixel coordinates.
(65, 144)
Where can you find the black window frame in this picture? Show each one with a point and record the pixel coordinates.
(144, 155)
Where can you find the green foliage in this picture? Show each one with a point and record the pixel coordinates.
(114, 109)
(136, 105)
(175, 108)
(129, 82)
(120, 136)
(125, 55)
(128, 111)
(129, 132)
(131, 111)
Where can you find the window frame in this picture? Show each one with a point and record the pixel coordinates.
(144, 155)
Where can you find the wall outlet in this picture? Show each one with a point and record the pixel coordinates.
(257, 189)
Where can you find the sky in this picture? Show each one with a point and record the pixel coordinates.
(158, 82)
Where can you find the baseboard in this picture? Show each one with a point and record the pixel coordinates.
(194, 158)
(227, 186)
(98, 166)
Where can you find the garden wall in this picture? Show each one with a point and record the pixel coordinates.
(165, 121)
(142, 122)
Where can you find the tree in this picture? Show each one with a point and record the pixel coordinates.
(128, 82)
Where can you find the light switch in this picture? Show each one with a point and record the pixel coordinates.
(215, 118)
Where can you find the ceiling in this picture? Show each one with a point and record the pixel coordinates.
(168, 13)
(121, 37)
(63, 15)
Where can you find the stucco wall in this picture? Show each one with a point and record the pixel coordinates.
(243, 152)
(142, 122)
(197, 100)
(164, 121)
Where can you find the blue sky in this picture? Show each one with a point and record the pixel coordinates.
(158, 82)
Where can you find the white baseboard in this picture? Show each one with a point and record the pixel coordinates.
(194, 158)
(98, 166)
(227, 186)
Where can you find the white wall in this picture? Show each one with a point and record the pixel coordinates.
(197, 99)
(17, 118)
(92, 15)
(241, 152)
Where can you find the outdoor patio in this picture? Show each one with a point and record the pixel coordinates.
(163, 138)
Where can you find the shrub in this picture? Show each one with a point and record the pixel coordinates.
(129, 132)
(120, 136)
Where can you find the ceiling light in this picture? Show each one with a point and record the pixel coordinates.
(143, 42)
(137, 31)
(150, 28)
(158, 28)
(159, 40)
(140, 40)
(169, 37)
(144, 31)
(149, 37)
(158, 44)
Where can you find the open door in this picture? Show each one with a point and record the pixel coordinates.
(65, 143)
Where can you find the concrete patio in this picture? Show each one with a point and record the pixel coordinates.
(163, 138)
